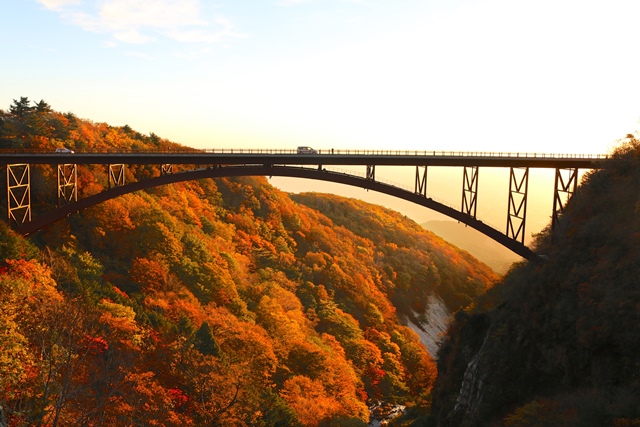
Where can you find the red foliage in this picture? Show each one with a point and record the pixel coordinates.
(179, 399)
(95, 345)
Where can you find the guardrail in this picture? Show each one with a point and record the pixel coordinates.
(348, 152)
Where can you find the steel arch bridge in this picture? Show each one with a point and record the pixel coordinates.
(286, 163)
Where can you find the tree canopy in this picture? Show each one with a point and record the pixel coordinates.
(215, 302)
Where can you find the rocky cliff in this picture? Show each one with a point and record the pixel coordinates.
(557, 342)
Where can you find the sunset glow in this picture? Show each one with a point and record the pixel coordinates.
(470, 75)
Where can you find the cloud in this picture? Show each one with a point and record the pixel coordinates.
(297, 2)
(151, 13)
(141, 55)
(131, 36)
(291, 2)
(57, 5)
(226, 30)
(144, 21)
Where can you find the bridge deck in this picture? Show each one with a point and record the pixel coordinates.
(288, 157)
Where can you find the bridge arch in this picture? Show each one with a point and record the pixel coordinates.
(283, 171)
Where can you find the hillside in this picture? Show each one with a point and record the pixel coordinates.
(477, 244)
(213, 302)
(423, 263)
(557, 342)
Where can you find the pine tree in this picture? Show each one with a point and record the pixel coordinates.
(204, 341)
(21, 108)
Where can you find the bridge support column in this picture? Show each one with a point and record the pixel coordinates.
(371, 172)
(421, 181)
(517, 215)
(166, 169)
(566, 182)
(470, 190)
(116, 175)
(19, 194)
(67, 184)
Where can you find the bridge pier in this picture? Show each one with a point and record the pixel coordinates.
(470, 191)
(116, 175)
(421, 181)
(67, 184)
(19, 193)
(371, 172)
(517, 214)
(566, 182)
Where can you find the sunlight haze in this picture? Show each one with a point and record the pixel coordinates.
(470, 75)
(488, 75)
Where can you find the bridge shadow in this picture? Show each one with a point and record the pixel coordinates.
(283, 171)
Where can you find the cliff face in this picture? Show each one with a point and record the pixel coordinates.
(432, 324)
(557, 342)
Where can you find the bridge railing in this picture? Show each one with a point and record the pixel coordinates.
(432, 153)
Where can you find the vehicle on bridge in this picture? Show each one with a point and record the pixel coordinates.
(64, 150)
(307, 150)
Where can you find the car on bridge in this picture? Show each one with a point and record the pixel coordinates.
(64, 150)
(307, 150)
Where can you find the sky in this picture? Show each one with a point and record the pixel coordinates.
(556, 76)
(478, 75)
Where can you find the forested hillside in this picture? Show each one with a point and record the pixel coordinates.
(214, 302)
(558, 342)
(419, 262)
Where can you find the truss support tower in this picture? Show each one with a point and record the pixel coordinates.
(517, 215)
(19, 194)
(470, 190)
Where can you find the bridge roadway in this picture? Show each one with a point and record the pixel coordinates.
(290, 157)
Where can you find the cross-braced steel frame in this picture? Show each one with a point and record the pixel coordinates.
(19, 193)
(470, 190)
(421, 181)
(371, 172)
(67, 184)
(566, 183)
(116, 175)
(517, 215)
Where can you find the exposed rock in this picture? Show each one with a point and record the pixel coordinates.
(472, 389)
(436, 320)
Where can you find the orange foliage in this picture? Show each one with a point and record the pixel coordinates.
(309, 400)
(187, 304)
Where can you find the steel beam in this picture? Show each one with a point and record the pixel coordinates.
(517, 214)
(19, 194)
(166, 169)
(470, 190)
(566, 182)
(67, 184)
(116, 175)
(421, 181)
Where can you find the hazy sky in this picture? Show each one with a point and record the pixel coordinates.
(511, 75)
(478, 75)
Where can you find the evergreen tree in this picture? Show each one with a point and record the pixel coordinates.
(43, 107)
(204, 341)
(21, 108)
